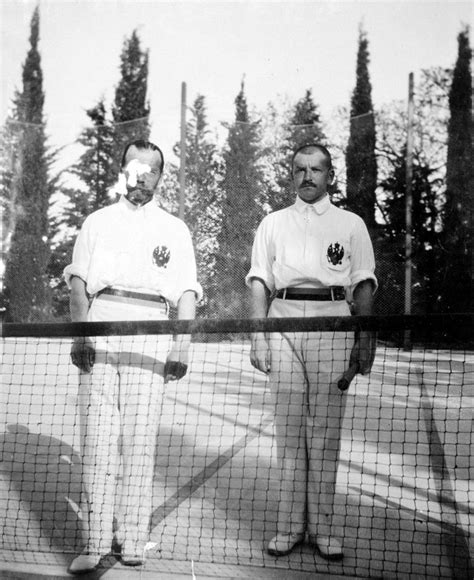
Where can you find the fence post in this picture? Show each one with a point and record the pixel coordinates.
(408, 209)
(182, 164)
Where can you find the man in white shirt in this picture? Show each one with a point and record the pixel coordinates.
(131, 260)
(310, 259)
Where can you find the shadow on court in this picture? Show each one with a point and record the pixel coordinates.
(43, 480)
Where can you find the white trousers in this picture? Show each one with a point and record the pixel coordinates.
(309, 411)
(120, 405)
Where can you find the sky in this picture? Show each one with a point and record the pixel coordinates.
(281, 49)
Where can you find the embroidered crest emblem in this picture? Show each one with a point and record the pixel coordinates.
(161, 256)
(335, 254)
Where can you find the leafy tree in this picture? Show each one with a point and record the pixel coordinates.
(95, 173)
(27, 293)
(241, 210)
(458, 209)
(131, 109)
(361, 165)
(201, 211)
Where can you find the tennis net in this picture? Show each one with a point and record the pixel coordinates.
(227, 439)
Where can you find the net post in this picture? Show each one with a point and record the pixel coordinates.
(408, 210)
(182, 163)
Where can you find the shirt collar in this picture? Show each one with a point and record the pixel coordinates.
(132, 207)
(319, 207)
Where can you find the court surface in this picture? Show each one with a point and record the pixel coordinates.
(404, 495)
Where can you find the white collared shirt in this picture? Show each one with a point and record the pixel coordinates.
(142, 249)
(312, 246)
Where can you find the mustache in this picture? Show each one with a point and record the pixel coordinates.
(139, 191)
(307, 184)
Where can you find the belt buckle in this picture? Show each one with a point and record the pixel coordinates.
(332, 293)
(284, 293)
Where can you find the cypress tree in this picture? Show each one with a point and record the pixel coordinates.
(304, 126)
(201, 211)
(305, 123)
(458, 209)
(95, 171)
(131, 109)
(361, 166)
(95, 167)
(240, 210)
(27, 292)
(202, 167)
(9, 142)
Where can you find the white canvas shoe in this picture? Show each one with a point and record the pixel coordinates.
(327, 547)
(284, 543)
(86, 562)
(132, 553)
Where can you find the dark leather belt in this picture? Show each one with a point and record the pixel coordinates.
(331, 293)
(129, 294)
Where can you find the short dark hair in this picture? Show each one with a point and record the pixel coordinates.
(142, 144)
(308, 148)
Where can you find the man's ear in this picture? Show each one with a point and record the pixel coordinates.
(331, 175)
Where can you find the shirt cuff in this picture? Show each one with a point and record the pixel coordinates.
(197, 289)
(262, 275)
(362, 275)
(74, 270)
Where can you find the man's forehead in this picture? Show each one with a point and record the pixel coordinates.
(147, 156)
(311, 156)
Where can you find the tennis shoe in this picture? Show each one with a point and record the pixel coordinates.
(284, 543)
(132, 555)
(327, 547)
(86, 562)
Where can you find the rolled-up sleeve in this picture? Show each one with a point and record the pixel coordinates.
(262, 256)
(362, 256)
(81, 255)
(187, 279)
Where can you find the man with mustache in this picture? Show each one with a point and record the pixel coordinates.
(310, 259)
(131, 260)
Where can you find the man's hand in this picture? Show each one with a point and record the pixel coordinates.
(363, 351)
(83, 353)
(260, 355)
(176, 364)
(82, 350)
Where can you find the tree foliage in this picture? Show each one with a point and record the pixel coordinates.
(241, 210)
(303, 126)
(361, 165)
(27, 293)
(201, 201)
(425, 233)
(131, 110)
(459, 206)
(95, 175)
(431, 115)
(9, 156)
